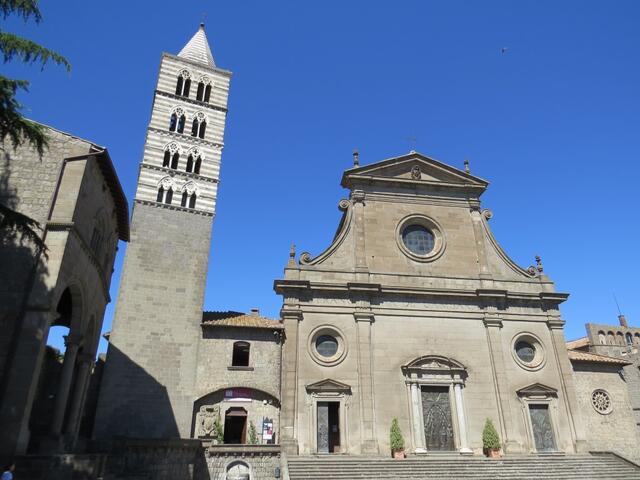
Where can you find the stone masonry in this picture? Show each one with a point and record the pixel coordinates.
(149, 383)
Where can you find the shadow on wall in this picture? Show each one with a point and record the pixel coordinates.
(152, 416)
(22, 272)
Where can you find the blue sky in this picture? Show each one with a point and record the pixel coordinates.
(553, 123)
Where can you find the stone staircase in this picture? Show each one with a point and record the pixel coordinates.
(583, 467)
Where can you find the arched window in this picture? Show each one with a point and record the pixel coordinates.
(611, 340)
(199, 125)
(174, 160)
(620, 339)
(198, 164)
(602, 338)
(165, 191)
(188, 200)
(192, 201)
(184, 83)
(629, 339)
(200, 92)
(190, 163)
(240, 354)
(185, 196)
(207, 93)
(167, 158)
(177, 121)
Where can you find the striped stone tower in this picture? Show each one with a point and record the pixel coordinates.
(148, 385)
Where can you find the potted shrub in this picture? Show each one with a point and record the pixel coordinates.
(396, 440)
(490, 440)
(253, 434)
(218, 432)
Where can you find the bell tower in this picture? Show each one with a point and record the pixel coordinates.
(149, 379)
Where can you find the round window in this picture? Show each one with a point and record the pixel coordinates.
(418, 239)
(528, 352)
(601, 402)
(525, 351)
(326, 345)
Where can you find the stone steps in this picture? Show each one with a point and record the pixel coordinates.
(583, 467)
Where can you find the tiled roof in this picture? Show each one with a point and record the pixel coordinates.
(579, 343)
(197, 49)
(577, 356)
(239, 319)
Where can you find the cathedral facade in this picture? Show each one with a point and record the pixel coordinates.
(414, 312)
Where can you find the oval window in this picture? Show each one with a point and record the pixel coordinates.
(418, 239)
(326, 345)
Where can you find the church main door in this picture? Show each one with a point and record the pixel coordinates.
(542, 430)
(436, 410)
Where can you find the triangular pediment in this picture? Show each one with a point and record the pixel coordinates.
(537, 389)
(413, 168)
(328, 385)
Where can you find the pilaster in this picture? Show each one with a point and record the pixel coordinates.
(364, 324)
(291, 318)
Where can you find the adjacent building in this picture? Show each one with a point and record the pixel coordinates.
(73, 192)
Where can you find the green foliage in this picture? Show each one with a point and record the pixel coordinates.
(490, 438)
(13, 125)
(25, 8)
(218, 431)
(15, 224)
(395, 436)
(253, 434)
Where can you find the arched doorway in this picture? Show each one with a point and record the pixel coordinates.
(434, 388)
(238, 471)
(235, 425)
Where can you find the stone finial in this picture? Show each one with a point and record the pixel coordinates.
(539, 266)
(292, 256)
(356, 158)
(466, 166)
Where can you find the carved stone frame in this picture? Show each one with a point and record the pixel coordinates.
(328, 391)
(433, 370)
(538, 394)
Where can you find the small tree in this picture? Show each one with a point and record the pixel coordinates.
(490, 438)
(253, 434)
(395, 437)
(218, 431)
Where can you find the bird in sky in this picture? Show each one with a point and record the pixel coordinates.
(503, 50)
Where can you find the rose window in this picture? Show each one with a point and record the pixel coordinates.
(601, 402)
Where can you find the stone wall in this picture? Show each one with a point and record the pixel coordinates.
(262, 461)
(613, 431)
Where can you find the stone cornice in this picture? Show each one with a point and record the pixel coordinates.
(483, 296)
(184, 136)
(173, 207)
(221, 71)
(210, 106)
(180, 173)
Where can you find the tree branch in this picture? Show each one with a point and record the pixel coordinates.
(24, 8)
(29, 52)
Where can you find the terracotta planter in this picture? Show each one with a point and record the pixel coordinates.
(493, 453)
(398, 454)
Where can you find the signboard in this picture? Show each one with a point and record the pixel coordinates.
(237, 394)
(267, 429)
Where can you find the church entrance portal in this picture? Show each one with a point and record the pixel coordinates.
(328, 427)
(235, 425)
(436, 409)
(541, 426)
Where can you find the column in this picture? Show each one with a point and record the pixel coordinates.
(565, 371)
(364, 321)
(418, 428)
(462, 423)
(85, 362)
(289, 386)
(72, 342)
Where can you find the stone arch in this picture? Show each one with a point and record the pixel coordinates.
(620, 339)
(435, 383)
(212, 406)
(237, 470)
(602, 338)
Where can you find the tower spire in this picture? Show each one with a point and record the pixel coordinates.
(197, 49)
